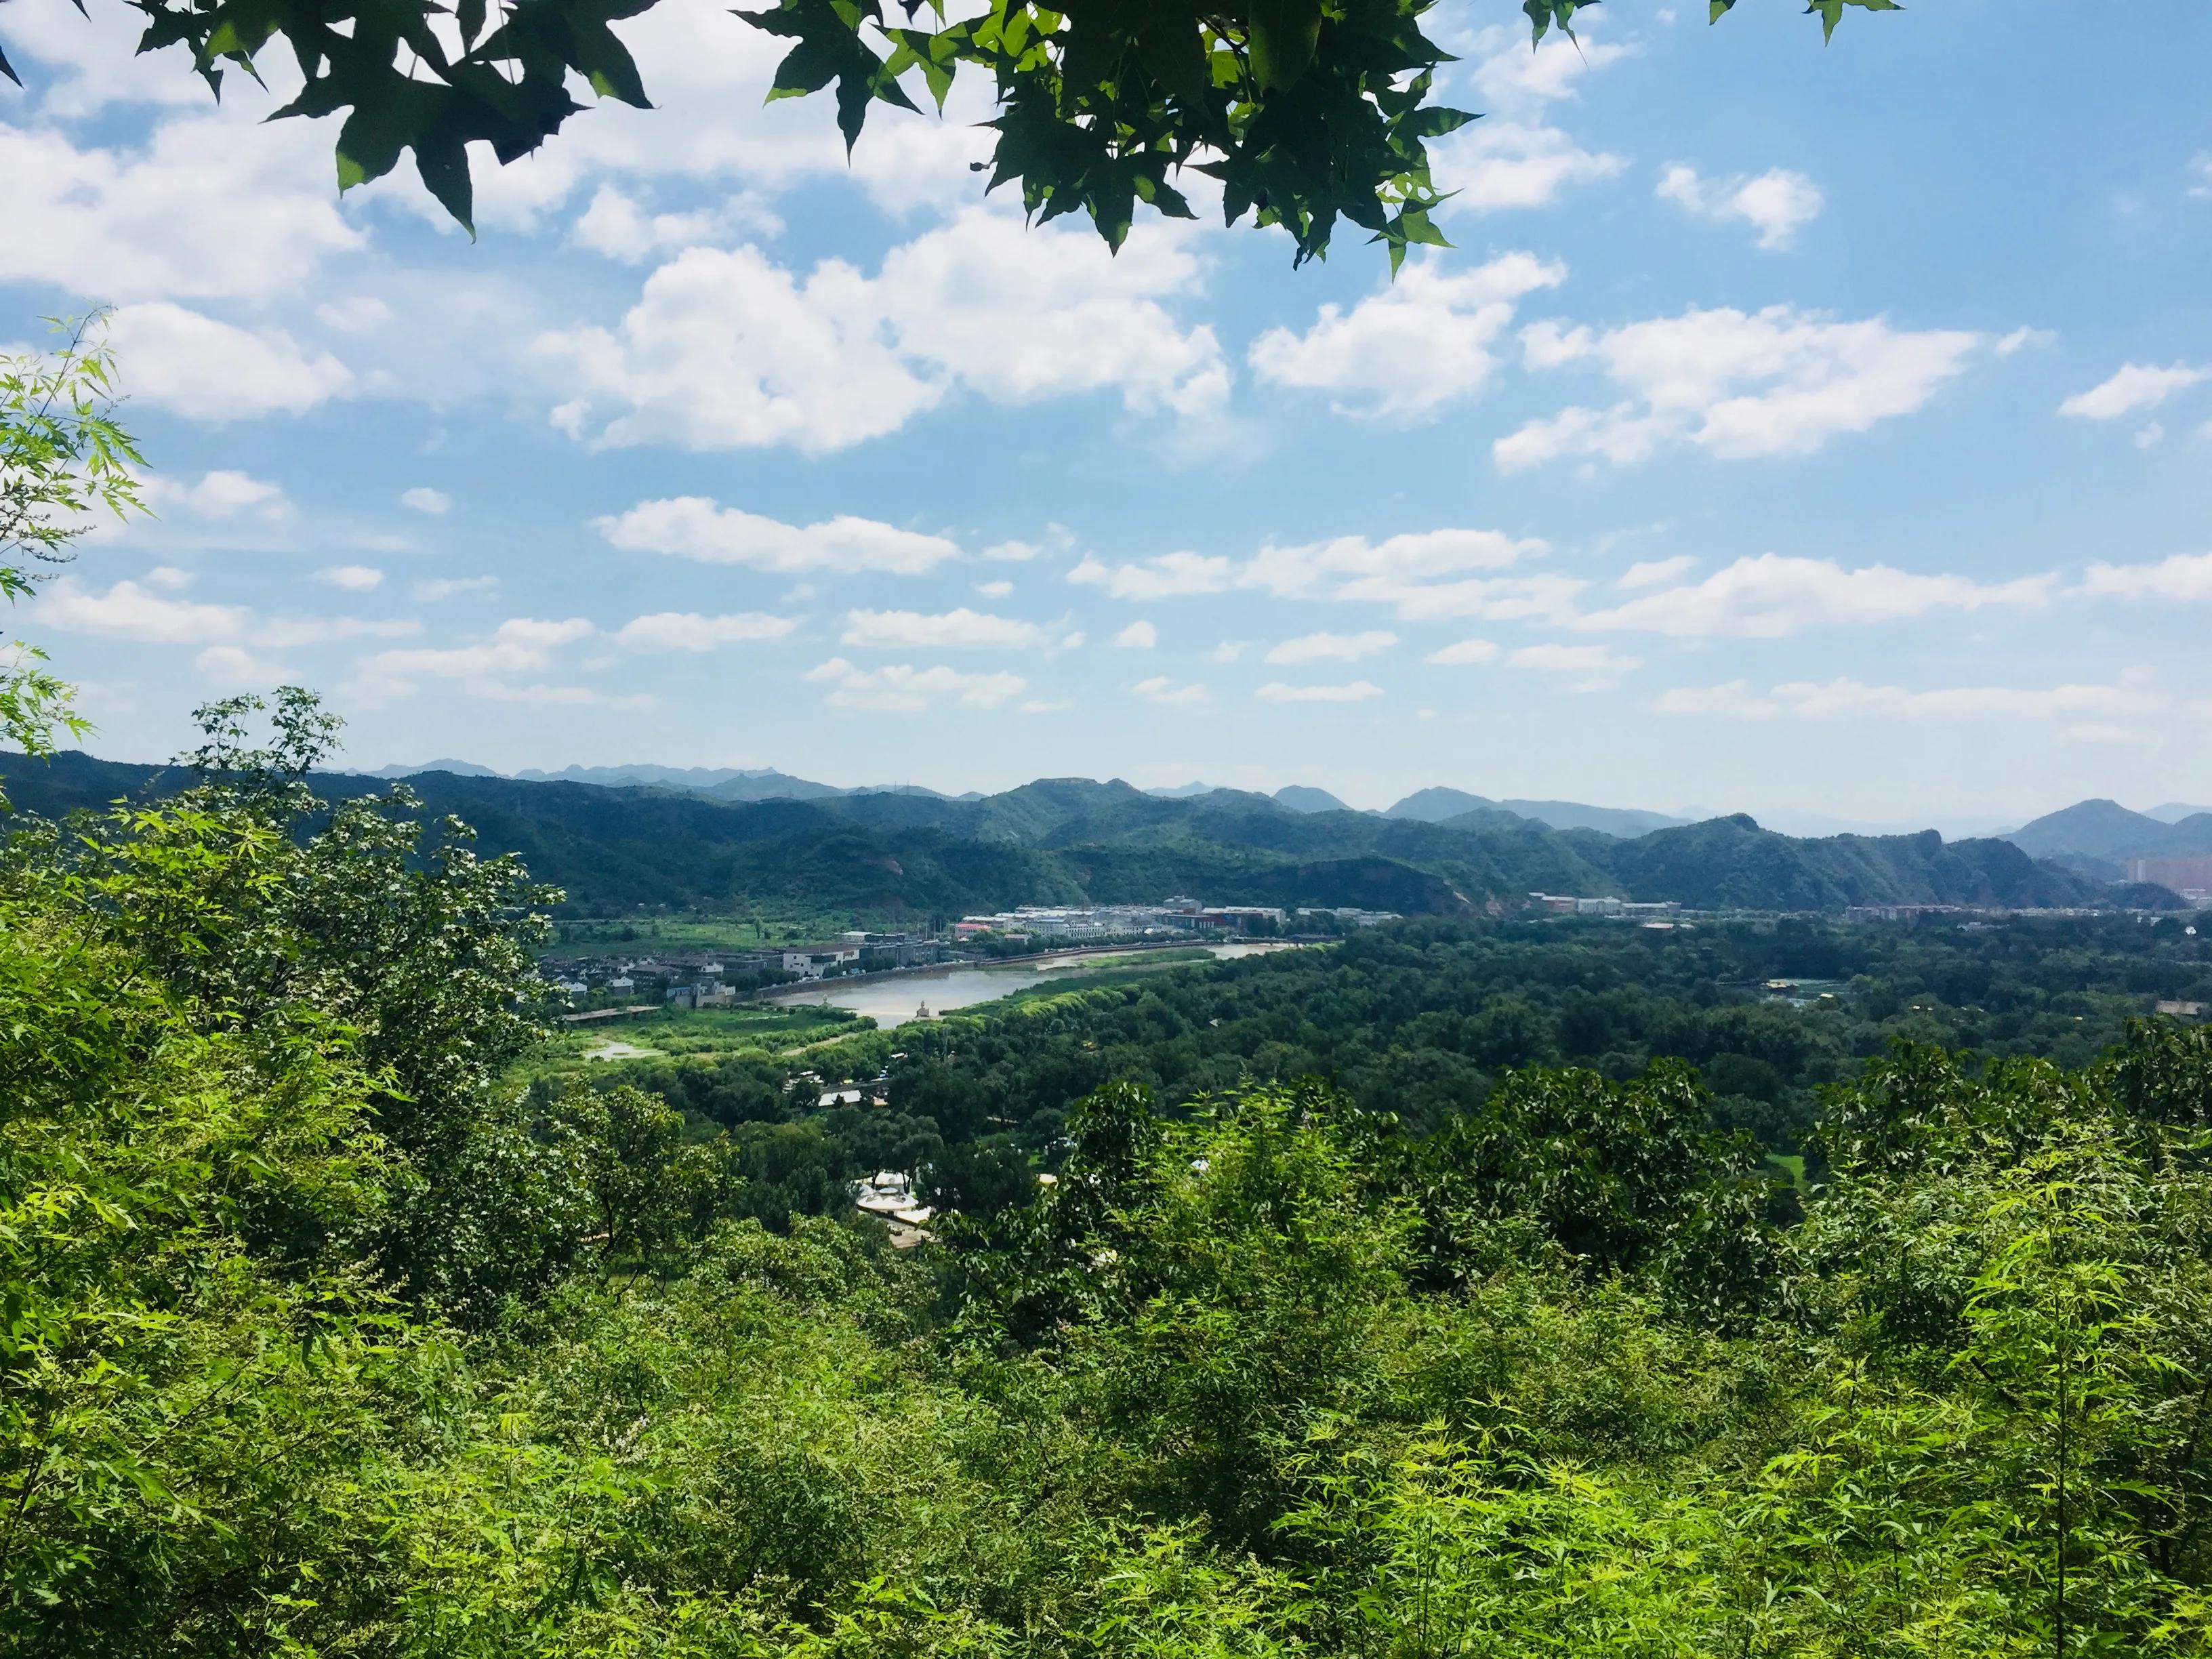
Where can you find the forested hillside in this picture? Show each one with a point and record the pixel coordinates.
(1067, 840)
(326, 1336)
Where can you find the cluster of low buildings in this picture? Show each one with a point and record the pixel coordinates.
(1168, 919)
(719, 979)
(1567, 904)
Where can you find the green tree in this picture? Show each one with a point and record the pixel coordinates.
(63, 455)
(1308, 112)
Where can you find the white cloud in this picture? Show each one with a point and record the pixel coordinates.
(1357, 691)
(695, 527)
(358, 313)
(1514, 75)
(1140, 635)
(354, 578)
(169, 579)
(726, 349)
(2132, 386)
(447, 588)
(1044, 706)
(207, 370)
(1332, 648)
(1779, 382)
(489, 668)
(1772, 597)
(1777, 203)
(1413, 346)
(213, 206)
(615, 225)
(1228, 650)
(2149, 435)
(2183, 576)
(1169, 695)
(901, 689)
(1011, 552)
(998, 590)
(2024, 337)
(954, 631)
(1654, 572)
(423, 499)
(1499, 163)
(1165, 577)
(1423, 575)
(2200, 174)
(1737, 699)
(1463, 653)
(218, 495)
(687, 630)
(1514, 157)
(233, 667)
(1595, 667)
(130, 611)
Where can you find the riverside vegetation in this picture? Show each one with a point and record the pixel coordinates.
(324, 1336)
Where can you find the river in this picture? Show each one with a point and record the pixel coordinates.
(893, 999)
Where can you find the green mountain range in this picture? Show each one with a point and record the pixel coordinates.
(1069, 839)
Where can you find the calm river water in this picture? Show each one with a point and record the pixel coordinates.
(893, 999)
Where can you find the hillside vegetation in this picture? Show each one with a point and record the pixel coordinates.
(326, 1336)
(1061, 841)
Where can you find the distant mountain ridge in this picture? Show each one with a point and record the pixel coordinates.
(1440, 805)
(1070, 840)
(2105, 831)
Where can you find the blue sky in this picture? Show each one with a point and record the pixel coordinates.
(1819, 433)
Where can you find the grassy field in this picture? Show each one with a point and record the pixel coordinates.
(681, 1033)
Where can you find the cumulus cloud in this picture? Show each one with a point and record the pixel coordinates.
(1654, 572)
(1463, 653)
(213, 206)
(1772, 597)
(1593, 667)
(423, 499)
(234, 667)
(1515, 157)
(1425, 576)
(1501, 163)
(2200, 174)
(1332, 648)
(1777, 204)
(492, 668)
(2132, 386)
(207, 370)
(1140, 635)
(726, 349)
(1414, 345)
(2183, 576)
(961, 630)
(1777, 382)
(353, 578)
(902, 689)
(695, 527)
(617, 225)
(1357, 691)
(998, 590)
(1170, 693)
(134, 611)
(687, 630)
(1739, 700)
(219, 495)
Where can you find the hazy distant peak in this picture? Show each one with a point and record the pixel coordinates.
(1304, 798)
(459, 769)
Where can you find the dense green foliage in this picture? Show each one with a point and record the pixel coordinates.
(1305, 111)
(326, 1335)
(63, 456)
(1068, 841)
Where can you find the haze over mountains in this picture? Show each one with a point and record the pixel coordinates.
(617, 846)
